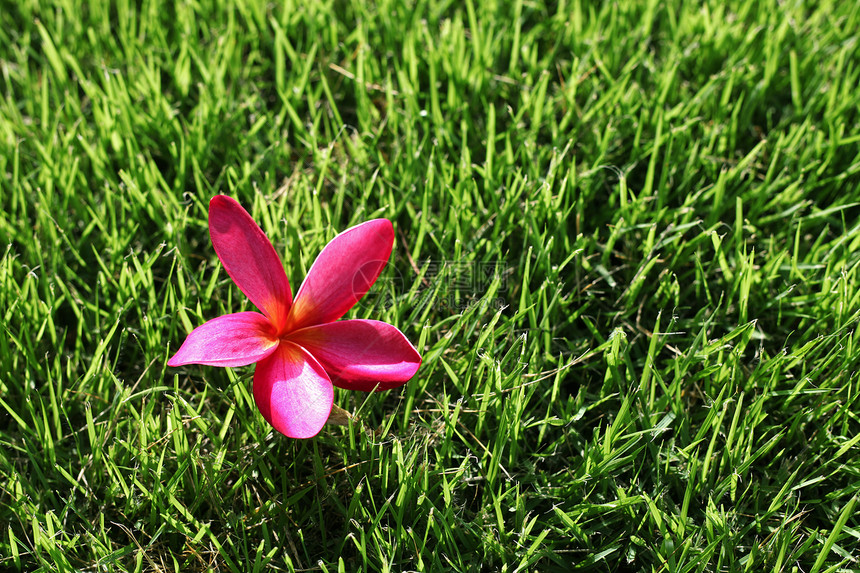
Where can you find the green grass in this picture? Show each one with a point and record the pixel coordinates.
(628, 248)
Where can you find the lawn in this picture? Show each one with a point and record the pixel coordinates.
(627, 247)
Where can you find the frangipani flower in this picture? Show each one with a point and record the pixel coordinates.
(300, 347)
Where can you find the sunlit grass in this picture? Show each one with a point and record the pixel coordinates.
(627, 248)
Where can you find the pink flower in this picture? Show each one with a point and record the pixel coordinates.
(300, 347)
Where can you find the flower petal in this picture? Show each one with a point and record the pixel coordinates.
(249, 258)
(231, 340)
(361, 354)
(293, 392)
(342, 273)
